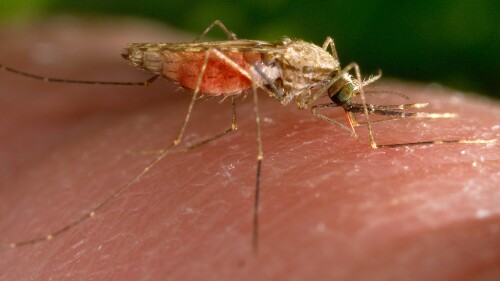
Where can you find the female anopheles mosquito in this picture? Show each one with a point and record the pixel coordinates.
(245, 65)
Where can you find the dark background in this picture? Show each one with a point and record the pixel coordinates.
(453, 42)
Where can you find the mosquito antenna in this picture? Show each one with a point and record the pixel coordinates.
(71, 81)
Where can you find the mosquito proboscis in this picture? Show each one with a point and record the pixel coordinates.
(287, 70)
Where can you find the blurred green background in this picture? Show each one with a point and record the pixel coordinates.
(453, 42)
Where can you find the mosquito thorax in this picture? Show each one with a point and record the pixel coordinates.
(305, 67)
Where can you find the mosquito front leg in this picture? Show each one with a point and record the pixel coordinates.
(329, 42)
(324, 91)
(230, 35)
(346, 69)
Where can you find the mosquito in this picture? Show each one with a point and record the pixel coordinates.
(287, 70)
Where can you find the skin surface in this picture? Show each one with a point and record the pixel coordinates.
(332, 207)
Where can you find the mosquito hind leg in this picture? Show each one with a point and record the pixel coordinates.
(230, 35)
(118, 192)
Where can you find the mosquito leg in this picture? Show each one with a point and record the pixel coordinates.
(230, 35)
(92, 212)
(334, 79)
(329, 42)
(324, 91)
(260, 157)
(234, 127)
(392, 110)
(328, 119)
(70, 81)
(363, 100)
(178, 139)
(120, 190)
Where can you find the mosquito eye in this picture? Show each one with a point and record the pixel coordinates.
(344, 95)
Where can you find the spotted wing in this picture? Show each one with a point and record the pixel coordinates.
(232, 45)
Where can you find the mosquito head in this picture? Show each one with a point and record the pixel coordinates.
(343, 90)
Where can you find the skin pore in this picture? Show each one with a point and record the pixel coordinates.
(332, 208)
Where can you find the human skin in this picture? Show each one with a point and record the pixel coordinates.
(332, 208)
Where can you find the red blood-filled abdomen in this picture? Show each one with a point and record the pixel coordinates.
(220, 78)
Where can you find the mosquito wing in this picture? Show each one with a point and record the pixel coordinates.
(253, 46)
